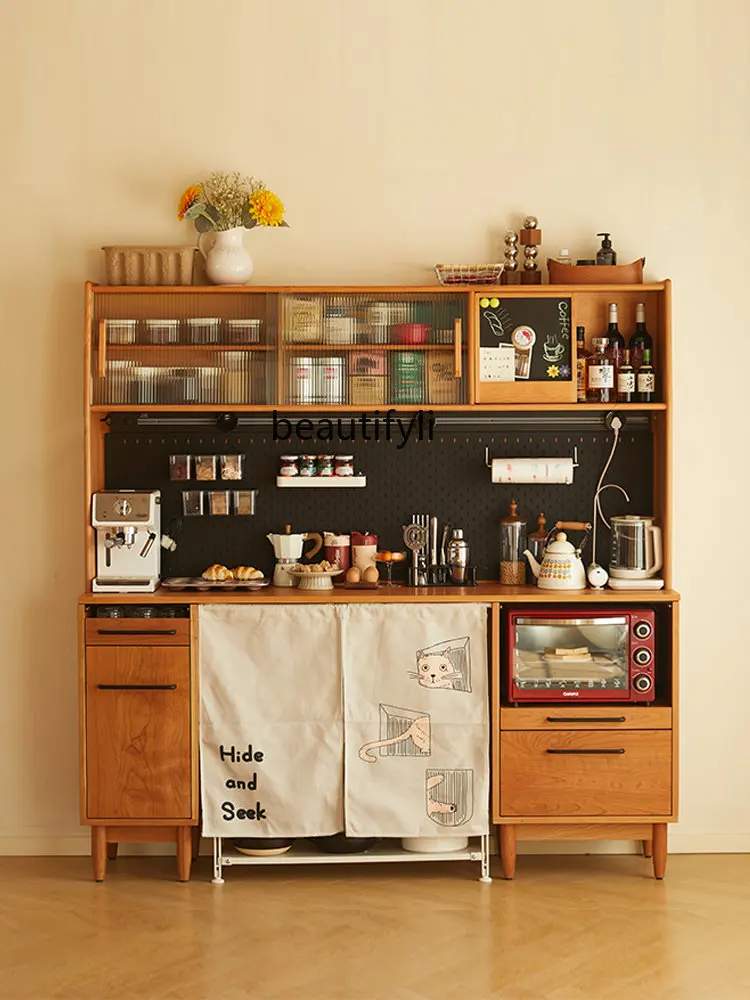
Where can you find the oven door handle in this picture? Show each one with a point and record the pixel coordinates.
(586, 718)
(607, 750)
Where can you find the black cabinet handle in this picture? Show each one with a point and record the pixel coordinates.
(587, 718)
(137, 687)
(137, 631)
(606, 750)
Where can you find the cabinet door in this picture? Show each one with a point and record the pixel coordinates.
(575, 774)
(138, 739)
(373, 349)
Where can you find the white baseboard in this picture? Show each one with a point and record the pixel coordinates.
(79, 845)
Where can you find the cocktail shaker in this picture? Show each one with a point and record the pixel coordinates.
(458, 556)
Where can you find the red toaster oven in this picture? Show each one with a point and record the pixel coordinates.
(580, 654)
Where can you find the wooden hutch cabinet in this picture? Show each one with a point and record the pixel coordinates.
(164, 363)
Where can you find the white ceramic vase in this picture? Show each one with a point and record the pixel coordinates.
(227, 260)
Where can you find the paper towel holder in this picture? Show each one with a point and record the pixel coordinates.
(488, 461)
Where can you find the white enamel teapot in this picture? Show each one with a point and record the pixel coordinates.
(561, 568)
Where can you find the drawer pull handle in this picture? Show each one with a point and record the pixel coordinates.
(606, 750)
(137, 631)
(586, 718)
(137, 687)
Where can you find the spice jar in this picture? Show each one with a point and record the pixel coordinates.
(344, 465)
(535, 545)
(231, 466)
(162, 331)
(307, 465)
(325, 465)
(192, 502)
(244, 502)
(179, 466)
(205, 467)
(219, 501)
(512, 545)
(289, 465)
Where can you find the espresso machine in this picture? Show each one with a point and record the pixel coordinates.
(128, 540)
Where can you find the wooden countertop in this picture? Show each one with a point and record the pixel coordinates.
(486, 591)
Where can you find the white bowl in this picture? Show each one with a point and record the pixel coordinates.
(434, 845)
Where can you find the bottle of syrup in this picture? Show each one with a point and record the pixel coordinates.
(601, 374)
(625, 380)
(582, 357)
(641, 338)
(646, 379)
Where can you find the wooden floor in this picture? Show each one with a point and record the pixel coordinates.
(568, 928)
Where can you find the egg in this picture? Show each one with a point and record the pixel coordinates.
(371, 574)
(353, 575)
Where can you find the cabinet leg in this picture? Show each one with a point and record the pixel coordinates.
(648, 848)
(507, 839)
(99, 851)
(112, 850)
(195, 834)
(659, 846)
(184, 852)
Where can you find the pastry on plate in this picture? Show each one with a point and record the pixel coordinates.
(217, 572)
(247, 573)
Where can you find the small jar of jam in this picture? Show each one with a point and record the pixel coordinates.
(289, 465)
(325, 465)
(307, 465)
(344, 465)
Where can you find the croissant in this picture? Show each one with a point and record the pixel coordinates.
(217, 572)
(247, 573)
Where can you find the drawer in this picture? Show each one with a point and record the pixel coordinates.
(575, 774)
(554, 718)
(138, 631)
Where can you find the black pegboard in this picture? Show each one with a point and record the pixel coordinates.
(446, 477)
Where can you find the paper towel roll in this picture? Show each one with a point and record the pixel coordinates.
(532, 470)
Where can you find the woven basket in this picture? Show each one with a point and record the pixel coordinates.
(144, 265)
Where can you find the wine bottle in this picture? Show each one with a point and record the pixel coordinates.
(625, 379)
(641, 339)
(582, 356)
(615, 338)
(646, 379)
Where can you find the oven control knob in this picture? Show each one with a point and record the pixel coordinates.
(642, 656)
(642, 683)
(642, 630)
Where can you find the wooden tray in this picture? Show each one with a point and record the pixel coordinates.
(198, 583)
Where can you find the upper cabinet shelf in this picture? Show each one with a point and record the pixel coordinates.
(339, 347)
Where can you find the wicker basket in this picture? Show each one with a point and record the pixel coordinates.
(144, 265)
(468, 274)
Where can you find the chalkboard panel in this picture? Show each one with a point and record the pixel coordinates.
(536, 332)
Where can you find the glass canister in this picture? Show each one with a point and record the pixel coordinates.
(288, 465)
(512, 545)
(535, 545)
(325, 465)
(307, 465)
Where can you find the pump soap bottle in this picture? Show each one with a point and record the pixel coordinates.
(605, 254)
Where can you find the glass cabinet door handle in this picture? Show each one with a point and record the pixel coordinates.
(585, 718)
(586, 751)
(137, 687)
(457, 348)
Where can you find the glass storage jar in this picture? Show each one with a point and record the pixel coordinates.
(205, 467)
(180, 466)
(344, 465)
(218, 501)
(203, 329)
(307, 465)
(244, 502)
(192, 502)
(243, 331)
(512, 545)
(325, 465)
(121, 331)
(231, 466)
(162, 331)
(289, 465)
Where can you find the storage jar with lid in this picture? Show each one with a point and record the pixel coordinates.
(218, 501)
(180, 466)
(243, 331)
(162, 331)
(289, 465)
(121, 331)
(512, 545)
(205, 467)
(244, 502)
(231, 466)
(192, 502)
(203, 329)
(343, 465)
(307, 465)
(325, 465)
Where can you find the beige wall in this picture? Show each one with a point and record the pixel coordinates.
(398, 134)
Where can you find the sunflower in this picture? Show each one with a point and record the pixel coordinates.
(188, 198)
(266, 208)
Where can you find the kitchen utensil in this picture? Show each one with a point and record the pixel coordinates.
(512, 547)
(433, 541)
(458, 556)
(415, 539)
(561, 567)
(288, 550)
(444, 545)
(636, 548)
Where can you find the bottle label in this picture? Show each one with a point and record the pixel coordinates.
(601, 377)
(646, 382)
(625, 381)
(581, 379)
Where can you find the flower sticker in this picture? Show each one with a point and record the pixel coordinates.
(564, 371)
(553, 371)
